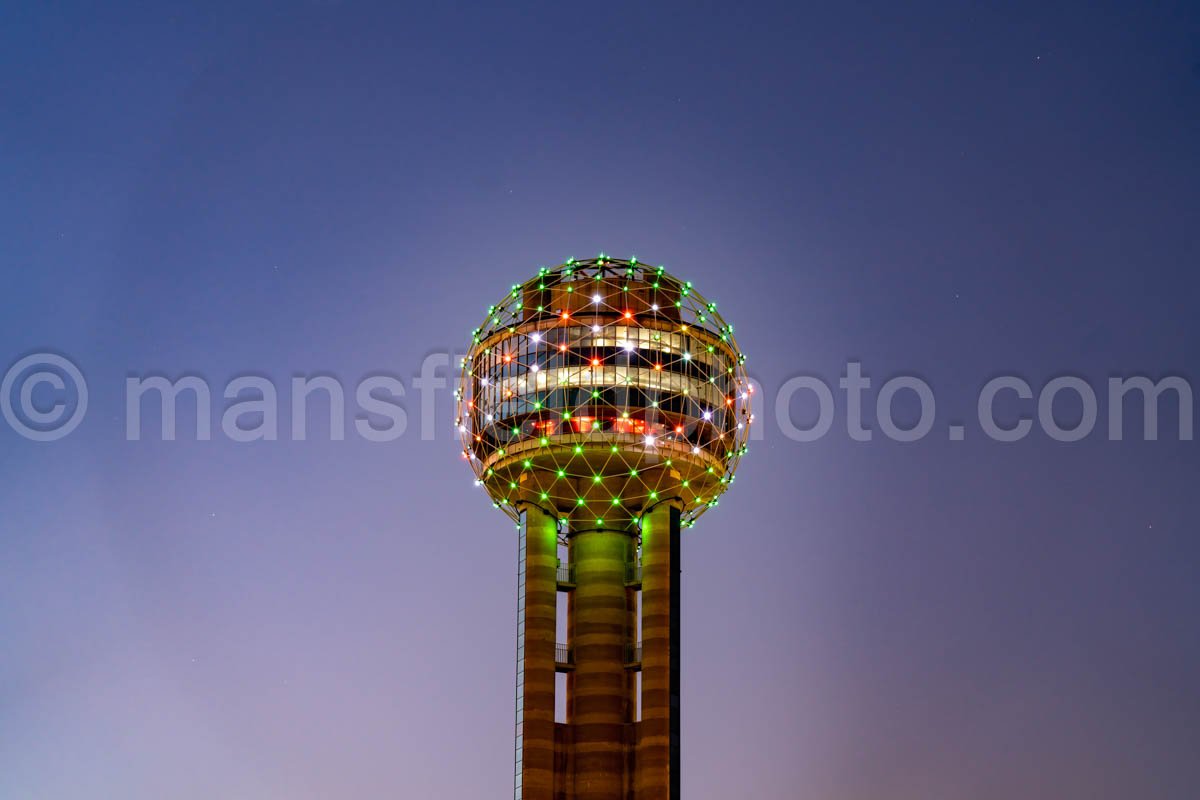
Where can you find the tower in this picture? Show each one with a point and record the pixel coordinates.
(603, 406)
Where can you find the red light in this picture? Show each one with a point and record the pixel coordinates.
(628, 315)
(679, 429)
(562, 348)
(566, 315)
(507, 359)
(658, 367)
(595, 362)
(622, 425)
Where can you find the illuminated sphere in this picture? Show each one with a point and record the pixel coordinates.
(600, 388)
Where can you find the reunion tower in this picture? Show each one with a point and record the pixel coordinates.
(603, 406)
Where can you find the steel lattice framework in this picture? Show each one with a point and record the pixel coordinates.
(599, 388)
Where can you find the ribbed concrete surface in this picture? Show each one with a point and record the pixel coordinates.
(600, 701)
(541, 599)
(657, 757)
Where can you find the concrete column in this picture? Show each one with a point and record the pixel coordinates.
(535, 689)
(657, 758)
(599, 708)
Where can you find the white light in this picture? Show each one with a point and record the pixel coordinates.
(654, 307)
(489, 418)
(533, 367)
(708, 415)
(650, 441)
(696, 451)
(537, 337)
(595, 329)
(596, 298)
(484, 381)
(687, 356)
(629, 347)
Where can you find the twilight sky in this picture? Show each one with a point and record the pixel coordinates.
(286, 189)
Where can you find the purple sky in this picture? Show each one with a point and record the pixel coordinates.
(342, 188)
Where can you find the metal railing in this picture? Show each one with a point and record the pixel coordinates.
(633, 653)
(565, 573)
(563, 654)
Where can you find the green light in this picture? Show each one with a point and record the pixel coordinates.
(544, 441)
(562, 473)
(528, 464)
(578, 449)
(597, 479)
(654, 495)
(614, 448)
(580, 501)
(633, 473)
(595, 394)
(616, 501)
(516, 431)
(684, 484)
(512, 485)
(545, 496)
(537, 406)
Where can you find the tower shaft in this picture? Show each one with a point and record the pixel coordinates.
(602, 751)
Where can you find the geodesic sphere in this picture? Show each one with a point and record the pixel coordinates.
(600, 388)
